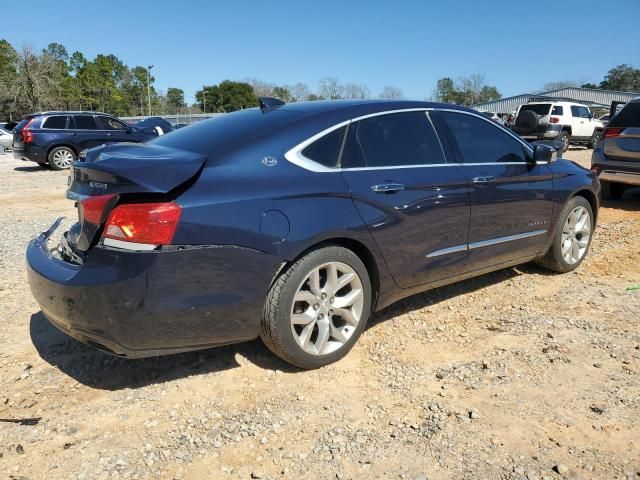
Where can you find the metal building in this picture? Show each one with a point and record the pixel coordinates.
(592, 97)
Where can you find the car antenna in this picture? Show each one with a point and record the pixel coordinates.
(269, 103)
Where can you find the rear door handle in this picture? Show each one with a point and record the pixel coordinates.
(483, 180)
(387, 188)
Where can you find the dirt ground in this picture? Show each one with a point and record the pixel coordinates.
(519, 374)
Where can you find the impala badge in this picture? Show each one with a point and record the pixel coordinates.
(269, 161)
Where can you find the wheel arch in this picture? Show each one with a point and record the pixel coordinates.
(56, 145)
(362, 251)
(591, 198)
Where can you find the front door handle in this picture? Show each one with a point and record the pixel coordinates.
(387, 188)
(483, 180)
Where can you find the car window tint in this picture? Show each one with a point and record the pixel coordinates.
(580, 112)
(396, 139)
(85, 122)
(479, 141)
(538, 108)
(629, 116)
(108, 123)
(557, 110)
(57, 122)
(22, 123)
(326, 149)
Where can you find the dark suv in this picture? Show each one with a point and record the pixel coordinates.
(56, 138)
(616, 159)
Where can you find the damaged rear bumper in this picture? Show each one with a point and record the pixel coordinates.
(139, 304)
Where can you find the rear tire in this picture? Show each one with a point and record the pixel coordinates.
(612, 190)
(61, 158)
(317, 308)
(595, 138)
(571, 237)
(564, 137)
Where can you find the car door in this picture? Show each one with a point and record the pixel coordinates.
(511, 199)
(581, 121)
(85, 132)
(113, 130)
(414, 203)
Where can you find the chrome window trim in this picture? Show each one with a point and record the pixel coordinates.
(294, 154)
(485, 243)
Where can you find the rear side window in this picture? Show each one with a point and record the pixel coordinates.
(538, 108)
(393, 140)
(108, 123)
(57, 122)
(557, 110)
(85, 122)
(326, 150)
(479, 141)
(629, 116)
(579, 112)
(22, 123)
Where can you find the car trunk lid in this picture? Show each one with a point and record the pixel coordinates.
(125, 172)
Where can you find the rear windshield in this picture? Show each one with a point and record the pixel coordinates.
(22, 123)
(629, 116)
(226, 130)
(538, 108)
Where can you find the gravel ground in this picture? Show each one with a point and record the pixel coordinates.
(518, 374)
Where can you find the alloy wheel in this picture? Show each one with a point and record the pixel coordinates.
(63, 158)
(576, 233)
(327, 308)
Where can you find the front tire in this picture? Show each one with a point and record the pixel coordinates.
(595, 138)
(571, 237)
(317, 308)
(564, 137)
(61, 158)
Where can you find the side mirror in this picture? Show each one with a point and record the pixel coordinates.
(543, 154)
(590, 116)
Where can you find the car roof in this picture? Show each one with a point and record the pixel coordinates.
(361, 107)
(69, 112)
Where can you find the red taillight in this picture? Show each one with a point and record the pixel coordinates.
(150, 223)
(554, 120)
(92, 209)
(27, 136)
(612, 132)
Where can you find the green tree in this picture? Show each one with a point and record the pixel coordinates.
(8, 75)
(175, 99)
(623, 78)
(283, 93)
(228, 96)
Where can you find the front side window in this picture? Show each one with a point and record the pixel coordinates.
(479, 141)
(108, 123)
(57, 122)
(85, 122)
(580, 112)
(326, 149)
(392, 140)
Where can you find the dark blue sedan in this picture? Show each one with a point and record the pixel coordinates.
(295, 222)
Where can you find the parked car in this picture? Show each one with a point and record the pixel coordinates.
(616, 159)
(493, 116)
(294, 222)
(57, 138)
(567, 122)
(6, 140)
(605, 119)
(159, 124)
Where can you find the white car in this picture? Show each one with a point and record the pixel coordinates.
(568, 122)
(6, 140)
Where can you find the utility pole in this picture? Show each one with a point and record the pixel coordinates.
(149, 87)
